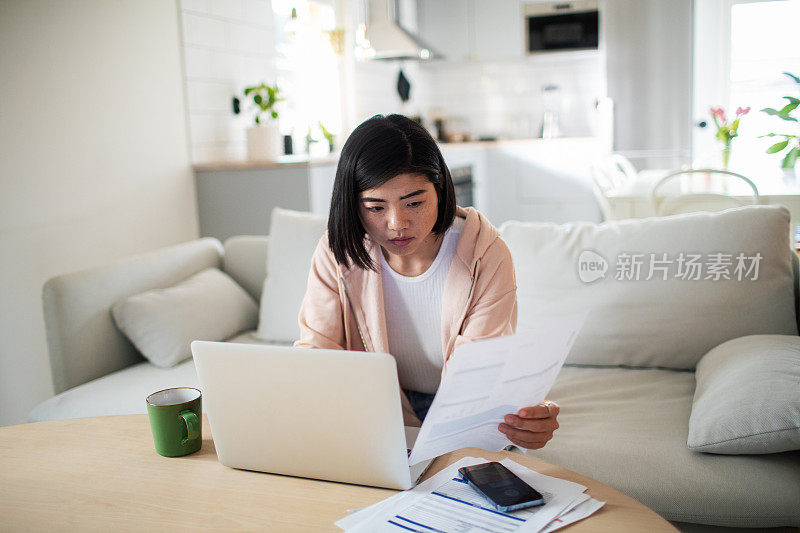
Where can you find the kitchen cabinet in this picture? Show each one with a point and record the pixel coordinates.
(472, 29)
(237, 198)
(549, 180)
(444, 25)
(539, 180)
(321, 179)
(499, 30)
(240, 201)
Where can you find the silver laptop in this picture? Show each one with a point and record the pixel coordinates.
(323, 414)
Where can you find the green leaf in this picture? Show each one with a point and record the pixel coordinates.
(274, 114)
(783, 113)
(777, 147)
(785, 117)
(788, 108)
(784, 135)
(795, 78)
(791, 158)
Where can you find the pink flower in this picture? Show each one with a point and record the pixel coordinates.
(718, 112)
(740, 111)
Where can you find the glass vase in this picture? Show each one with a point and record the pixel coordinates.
(726, 155)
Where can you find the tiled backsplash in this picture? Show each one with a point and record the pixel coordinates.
(498, 99)
(227, 45)
(504, 99)
(375, 85)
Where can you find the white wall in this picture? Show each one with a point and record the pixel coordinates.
(94, 158)
(375, 84)
(227, 46)
(648, 48)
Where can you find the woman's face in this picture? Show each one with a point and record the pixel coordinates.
(400, 214)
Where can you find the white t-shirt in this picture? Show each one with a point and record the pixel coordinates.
(413, 307)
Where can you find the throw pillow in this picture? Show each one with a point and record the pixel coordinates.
(662, 291)
(293, 237)
(747, 399)
(162, 323)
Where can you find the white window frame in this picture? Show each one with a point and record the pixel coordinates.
(711, 85)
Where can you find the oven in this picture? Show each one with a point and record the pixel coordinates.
(462, 182)
(557, 26)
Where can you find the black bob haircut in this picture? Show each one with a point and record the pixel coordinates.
(379, 149)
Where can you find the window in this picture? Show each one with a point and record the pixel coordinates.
(758, 41)
(307, 70)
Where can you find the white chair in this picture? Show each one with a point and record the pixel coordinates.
(716, 190)
(615, 173)
(601, 186)
(621, 170)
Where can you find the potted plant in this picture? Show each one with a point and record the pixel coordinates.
(263, 138)
(791, 141)
(330, 137)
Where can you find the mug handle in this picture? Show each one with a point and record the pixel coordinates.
(192, 425)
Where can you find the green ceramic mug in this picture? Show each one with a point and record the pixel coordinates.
(175, 418)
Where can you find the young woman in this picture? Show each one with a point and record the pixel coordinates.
(403, 270)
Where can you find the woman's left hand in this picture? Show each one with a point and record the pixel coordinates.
(531, 427)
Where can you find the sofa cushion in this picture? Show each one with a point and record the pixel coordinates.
(293, 238)
(120, 393)
(123, 392)
(83, 342)
(747, 398)
(660, 315)
(245, 261)
(627, 428)
(162, 323)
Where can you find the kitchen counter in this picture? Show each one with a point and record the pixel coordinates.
(501, 143)
(303, 160)
(284, 161)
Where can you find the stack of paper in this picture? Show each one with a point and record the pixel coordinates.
(446, 503)
(488, 379)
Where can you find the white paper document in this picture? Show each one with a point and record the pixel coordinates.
(446, 503)
(582, 510)
(486, 380)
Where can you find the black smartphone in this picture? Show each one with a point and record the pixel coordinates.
(501, 486)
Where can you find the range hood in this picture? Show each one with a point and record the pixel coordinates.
(386, 39)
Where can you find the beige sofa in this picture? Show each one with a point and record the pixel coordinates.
(626, 392)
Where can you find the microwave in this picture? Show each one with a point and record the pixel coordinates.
(557, 26)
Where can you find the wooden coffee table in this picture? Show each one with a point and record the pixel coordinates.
(104, 474)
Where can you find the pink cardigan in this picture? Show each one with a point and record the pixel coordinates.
(343, 307)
